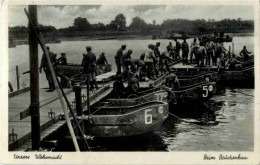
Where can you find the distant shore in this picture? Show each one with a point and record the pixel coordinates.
(22, 40)
(140, 37)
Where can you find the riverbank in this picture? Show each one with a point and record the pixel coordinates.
(140, 37)
(96, 37)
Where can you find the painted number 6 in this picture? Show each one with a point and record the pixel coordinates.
(148, 118)
(205, 88)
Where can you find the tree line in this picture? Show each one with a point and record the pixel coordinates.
(139, 25)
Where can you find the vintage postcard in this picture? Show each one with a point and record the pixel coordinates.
(130, 82)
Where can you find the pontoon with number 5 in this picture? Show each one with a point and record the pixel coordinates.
(193, 89)
(137, 115)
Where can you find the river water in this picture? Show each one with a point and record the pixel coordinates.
(231, 112)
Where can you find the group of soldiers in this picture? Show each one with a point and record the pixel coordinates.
(153, 62)
(89, 63)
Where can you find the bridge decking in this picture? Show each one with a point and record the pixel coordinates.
(19, 120)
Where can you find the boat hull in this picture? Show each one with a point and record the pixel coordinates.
(128, 123)
(237, 77)
(196, 94)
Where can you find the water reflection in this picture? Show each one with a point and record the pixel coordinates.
(218, 125)
(221, 123)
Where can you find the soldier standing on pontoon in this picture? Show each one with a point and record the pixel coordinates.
(89, 64)
(118, 56)
(44, 65)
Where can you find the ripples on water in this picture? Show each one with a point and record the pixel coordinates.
(225, 123)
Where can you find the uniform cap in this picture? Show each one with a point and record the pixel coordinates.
(151, 46)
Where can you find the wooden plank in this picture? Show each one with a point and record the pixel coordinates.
(14, 145)
(20, 91)
(26, 112)
(52, 127)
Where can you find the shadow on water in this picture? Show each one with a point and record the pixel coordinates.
(187, 128)
(200, 115)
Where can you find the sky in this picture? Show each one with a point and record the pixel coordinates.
(63, 16)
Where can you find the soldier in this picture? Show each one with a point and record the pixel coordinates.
(244, 53)
(89, 67)
(172, 81)
(125, 61)
(158, 53)
(234, 63)
(170, 50)
(210, 52)
(102, 60)
(156, 49)
(157, 57)
(185, 52)
(148, 59)
(191, 48)
(118, 55)
(44, 65)
(119, 88)
(164, 60)
(82, 62)
(219, 51)
(133, 85)
(62, 60)
(177, 48)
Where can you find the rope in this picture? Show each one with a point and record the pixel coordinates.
(14, 117)
(245, 94)
(185, 120)
(100, 108)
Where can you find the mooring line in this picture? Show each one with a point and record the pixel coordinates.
(185, 120)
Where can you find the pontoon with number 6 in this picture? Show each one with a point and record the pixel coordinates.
(127, 117)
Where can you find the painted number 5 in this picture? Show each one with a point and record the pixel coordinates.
(205, 88)
(148, 118)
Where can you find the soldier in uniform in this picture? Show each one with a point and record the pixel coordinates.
(118, 55)
(44, 65)
(245, 53)
(125, 61)
(170, 50)
(102, 60)
(62, 60)
(210, 51)
(149, 59)
(185, 52)
(133, 85)
(177, 48)
(90, 66)
(194, 43)
(157, 56)
(118, 87)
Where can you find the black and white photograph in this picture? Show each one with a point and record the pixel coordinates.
(131, 78)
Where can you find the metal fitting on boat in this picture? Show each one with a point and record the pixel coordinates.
(211, 88)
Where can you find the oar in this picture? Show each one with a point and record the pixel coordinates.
(58, 90)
